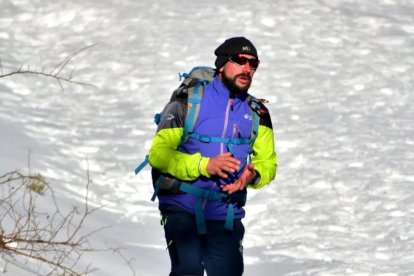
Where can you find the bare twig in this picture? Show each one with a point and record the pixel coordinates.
(55, 73)
(58, 78)
(59, 67)
(52, 238)
(56, 264)
(28, 161)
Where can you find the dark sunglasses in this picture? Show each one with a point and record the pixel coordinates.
(241, 60)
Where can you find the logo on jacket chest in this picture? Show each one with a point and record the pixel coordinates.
(248, 117)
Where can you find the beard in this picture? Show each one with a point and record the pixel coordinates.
(233, 87)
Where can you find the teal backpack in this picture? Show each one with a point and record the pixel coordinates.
(194, 83)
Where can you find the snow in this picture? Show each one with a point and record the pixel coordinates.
(339, 76)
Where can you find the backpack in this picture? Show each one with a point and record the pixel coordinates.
(193, 84)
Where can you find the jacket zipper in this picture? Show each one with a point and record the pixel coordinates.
(223, 135)
(226, 122)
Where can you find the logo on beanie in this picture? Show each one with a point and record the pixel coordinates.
(246, 48)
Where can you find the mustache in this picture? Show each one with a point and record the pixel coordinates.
(244, 75)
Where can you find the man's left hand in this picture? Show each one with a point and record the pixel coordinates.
(247, 176)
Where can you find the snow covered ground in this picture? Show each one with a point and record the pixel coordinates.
(339, 76)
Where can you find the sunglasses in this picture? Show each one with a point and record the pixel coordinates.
(242, 60)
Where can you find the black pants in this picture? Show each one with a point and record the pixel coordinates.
(219, 252)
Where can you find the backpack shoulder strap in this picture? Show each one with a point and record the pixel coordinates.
(195, 81)
(195, 95)
(191, 89)
(257, 106)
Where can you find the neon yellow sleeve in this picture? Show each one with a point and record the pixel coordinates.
(164, 156)
(264, 156)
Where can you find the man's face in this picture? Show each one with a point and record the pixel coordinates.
(238, 72)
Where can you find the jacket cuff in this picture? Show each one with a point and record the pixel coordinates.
(202, 166)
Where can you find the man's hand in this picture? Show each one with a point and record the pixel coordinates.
(247, 176)
(221, 164)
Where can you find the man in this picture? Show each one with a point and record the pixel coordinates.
(202, 214)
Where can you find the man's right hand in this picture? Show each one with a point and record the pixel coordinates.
(222, 164)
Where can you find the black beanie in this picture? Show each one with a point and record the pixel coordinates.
(233, 46)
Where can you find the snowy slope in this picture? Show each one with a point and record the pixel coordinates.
(339, 76)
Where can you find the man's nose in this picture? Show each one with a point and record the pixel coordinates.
(246, 67)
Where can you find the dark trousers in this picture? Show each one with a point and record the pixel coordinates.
(219, 252)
